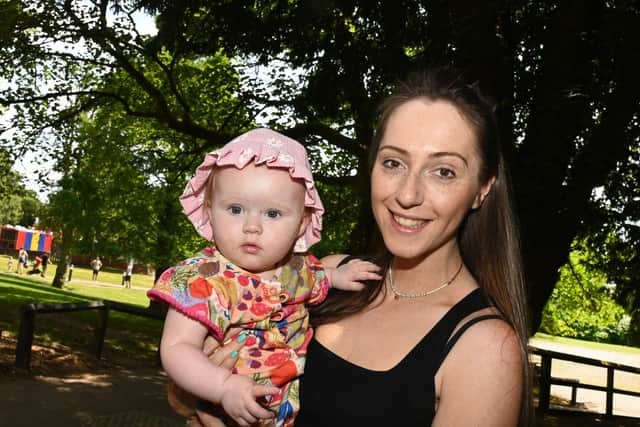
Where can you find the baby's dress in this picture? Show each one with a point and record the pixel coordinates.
(213, 291)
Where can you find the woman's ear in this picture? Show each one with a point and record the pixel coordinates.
(483, 193)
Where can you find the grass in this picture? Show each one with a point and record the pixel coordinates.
(634, 351)
(128, 336)
(84, 273)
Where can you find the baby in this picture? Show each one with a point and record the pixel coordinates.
(255, 198)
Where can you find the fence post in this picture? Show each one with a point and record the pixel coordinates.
(545, 382)
(609, 406)
(101, 330)
(25, 337)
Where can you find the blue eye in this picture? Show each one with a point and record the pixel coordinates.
(235, 210)
(273, 213)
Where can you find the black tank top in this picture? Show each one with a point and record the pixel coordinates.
(335, 392)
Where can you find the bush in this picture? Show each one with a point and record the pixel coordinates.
(581, 306)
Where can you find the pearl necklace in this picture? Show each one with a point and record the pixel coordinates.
(397, 294)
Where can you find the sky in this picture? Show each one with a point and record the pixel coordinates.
(26, 165)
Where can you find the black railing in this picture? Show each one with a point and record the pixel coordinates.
(27, 323)
(546, 380)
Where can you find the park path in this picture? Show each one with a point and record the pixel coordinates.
(75, 389)
(593, 400)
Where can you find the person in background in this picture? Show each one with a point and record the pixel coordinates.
(70, 272)
(23, 258)
(10, 264)
(35, 269)
(45, 263)
(126, 275)
(96, 265)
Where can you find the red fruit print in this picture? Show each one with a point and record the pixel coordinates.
(251, 340)
(255, 364)
(229, 274)
(243, 280)
(284, 373)
(277, 358)
(200, 288)
(201, 309)
(260, 309)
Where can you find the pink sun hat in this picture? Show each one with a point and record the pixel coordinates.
(262, 146)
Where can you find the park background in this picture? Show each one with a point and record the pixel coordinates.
(112, 120)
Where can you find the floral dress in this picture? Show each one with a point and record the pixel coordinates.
(213, 291)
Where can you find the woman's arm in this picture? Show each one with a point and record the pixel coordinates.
(480, 382)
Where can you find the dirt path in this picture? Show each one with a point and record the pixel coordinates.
(592, 400)
(74, 389)
(65, 389)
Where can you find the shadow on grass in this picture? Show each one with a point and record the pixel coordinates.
(128, 336)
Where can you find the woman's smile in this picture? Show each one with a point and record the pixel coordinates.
(404, 223)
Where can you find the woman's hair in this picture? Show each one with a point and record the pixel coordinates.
(488, 237)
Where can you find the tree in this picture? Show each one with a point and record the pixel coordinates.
(563, 75)
(10, 180)
(10, 191)
(582, 304)
(613, 247)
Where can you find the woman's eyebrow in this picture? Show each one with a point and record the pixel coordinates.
(450, 153)
(435, 155)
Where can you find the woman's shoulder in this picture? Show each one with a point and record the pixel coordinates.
(487, 348)
(483, 370)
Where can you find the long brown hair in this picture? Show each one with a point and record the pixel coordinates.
(488, 237)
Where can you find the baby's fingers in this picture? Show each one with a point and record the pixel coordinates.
(264, 390)
(255, 408)
(368, 266)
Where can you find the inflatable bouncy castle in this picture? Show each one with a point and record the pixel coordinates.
(13, 238)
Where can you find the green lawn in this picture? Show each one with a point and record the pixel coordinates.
(634, 351)
(127, 335)
(83, 273)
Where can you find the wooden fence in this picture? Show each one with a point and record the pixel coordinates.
(27, 323)
(546, 380)
(29, 311)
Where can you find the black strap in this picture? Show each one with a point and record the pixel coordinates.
(452, 341)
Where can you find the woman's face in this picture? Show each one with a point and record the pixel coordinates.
(425, 178)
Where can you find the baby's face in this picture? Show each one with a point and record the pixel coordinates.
(257, 214)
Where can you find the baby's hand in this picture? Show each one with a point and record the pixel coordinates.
(239, 396)
(349, 277)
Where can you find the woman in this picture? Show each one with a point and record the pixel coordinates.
(441, 340)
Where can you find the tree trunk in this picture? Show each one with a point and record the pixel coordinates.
(65, 258)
